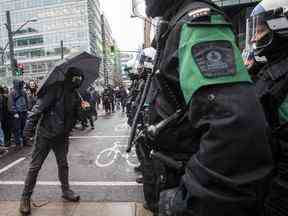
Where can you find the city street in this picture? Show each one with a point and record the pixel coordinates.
(100, 171)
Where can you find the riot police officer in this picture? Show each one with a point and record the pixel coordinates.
(268, 35)
(222, 137)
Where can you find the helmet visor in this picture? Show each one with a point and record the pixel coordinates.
(259, 34)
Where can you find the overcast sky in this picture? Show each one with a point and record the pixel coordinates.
(126, 31)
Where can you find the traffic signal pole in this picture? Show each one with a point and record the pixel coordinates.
(11, 43)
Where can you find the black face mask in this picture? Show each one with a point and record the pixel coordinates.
(76, 81)
(157, 8)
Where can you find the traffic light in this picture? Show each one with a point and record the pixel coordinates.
(14, 61)
(112, 49)
(19, 69)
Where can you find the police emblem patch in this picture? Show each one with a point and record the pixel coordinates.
(215, 58)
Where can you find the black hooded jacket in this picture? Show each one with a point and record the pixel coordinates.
(56, 111)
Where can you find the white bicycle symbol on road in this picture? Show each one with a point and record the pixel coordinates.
(109, 155)
(121, 127)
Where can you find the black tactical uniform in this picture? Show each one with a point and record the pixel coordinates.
(270, 40)
(222, 137)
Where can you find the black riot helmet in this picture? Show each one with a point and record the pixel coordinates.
(157, 8)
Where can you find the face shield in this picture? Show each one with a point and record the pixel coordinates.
(259, 35)
(264, 27)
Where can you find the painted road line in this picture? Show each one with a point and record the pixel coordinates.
(94, 137)
(74, 183)
(11, 165)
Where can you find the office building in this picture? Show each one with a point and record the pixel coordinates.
(37, 45)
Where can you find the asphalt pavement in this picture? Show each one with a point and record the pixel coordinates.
(100, 170)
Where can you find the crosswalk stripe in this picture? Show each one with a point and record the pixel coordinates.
(74, 183)
(11, 165)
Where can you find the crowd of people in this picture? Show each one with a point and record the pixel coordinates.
(16, 102)
(114, 99)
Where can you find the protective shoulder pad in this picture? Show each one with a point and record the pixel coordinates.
(197, 11)
(198, 15)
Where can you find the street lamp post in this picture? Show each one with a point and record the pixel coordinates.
(10, 43)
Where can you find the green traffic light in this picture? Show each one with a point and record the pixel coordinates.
(18, 72)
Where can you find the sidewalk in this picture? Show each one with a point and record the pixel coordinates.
(77, 209)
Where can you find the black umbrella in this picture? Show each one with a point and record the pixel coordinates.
(85, 62)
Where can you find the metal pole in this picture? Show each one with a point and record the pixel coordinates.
(11, 43)
(2, 55)
(62, 50)
(106, 75)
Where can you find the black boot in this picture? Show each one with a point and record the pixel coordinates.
(25, 206)
(139, 180)
(150, 207)
(69, 195)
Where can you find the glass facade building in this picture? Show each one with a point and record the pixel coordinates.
(38, 44)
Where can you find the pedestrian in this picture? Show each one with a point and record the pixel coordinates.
(18, 108)
(123, 98)
(2, 138)
(221, 140)
(106, 101)
(117, 98)
(58, 108)
(7, 119)
(111, 94)
(32, 93)
(94, 102)
(268, 26)
(87, 110)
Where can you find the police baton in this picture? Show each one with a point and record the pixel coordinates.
(154, 130)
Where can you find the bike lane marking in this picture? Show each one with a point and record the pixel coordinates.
(121, 127)
(75, 183)
(114, 151)
(12, 165)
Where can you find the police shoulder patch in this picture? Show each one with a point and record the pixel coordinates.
(215, 58)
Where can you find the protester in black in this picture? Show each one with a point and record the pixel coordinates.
(55, 112)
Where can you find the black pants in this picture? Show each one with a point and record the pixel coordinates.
(60, 146)
(18, 127)
(87, 115)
